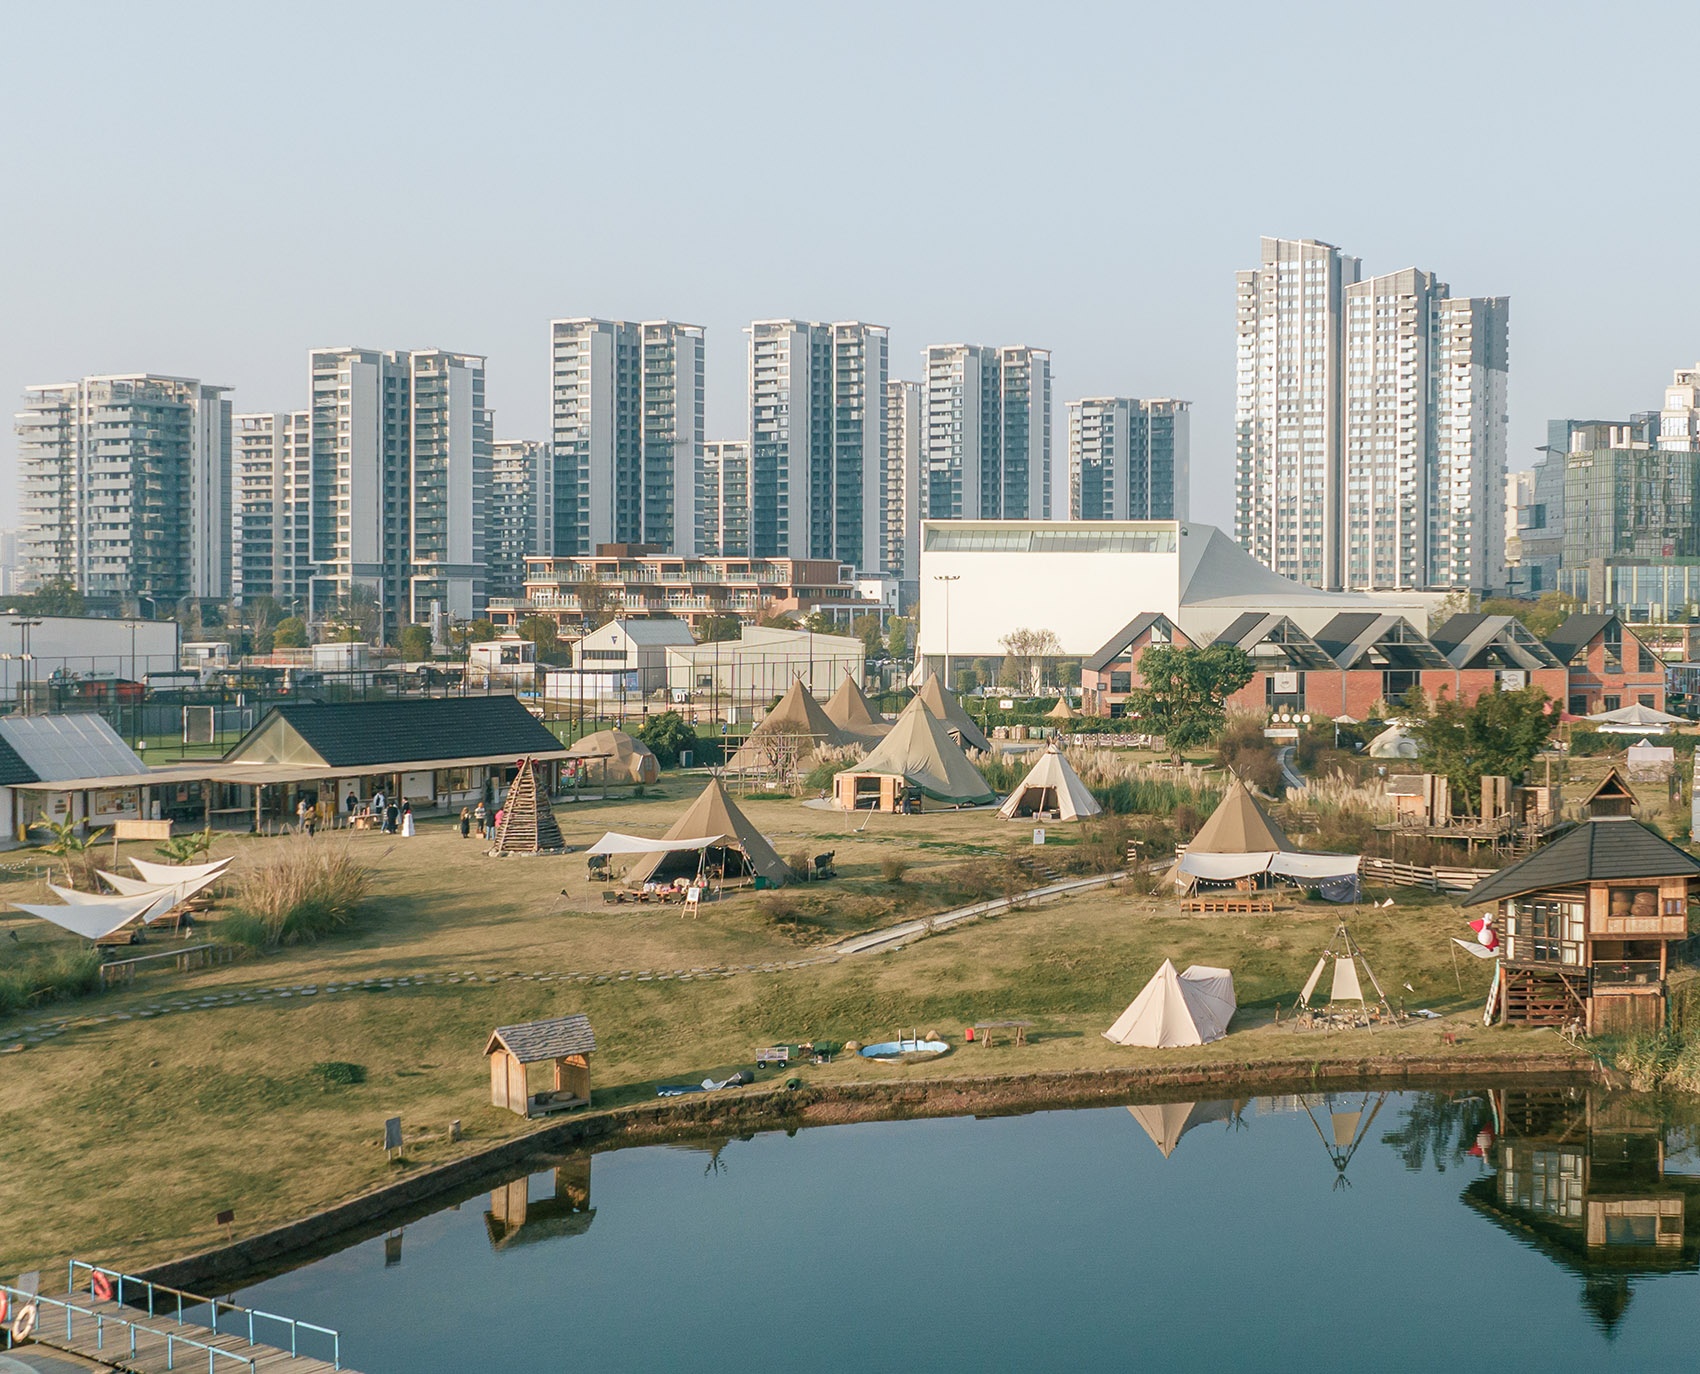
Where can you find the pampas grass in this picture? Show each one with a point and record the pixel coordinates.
(309, 887)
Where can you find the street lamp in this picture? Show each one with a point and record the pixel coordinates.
(947, 579)
(25, 625)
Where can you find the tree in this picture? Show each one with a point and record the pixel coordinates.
(967, 681)
(868, 629)
(414, 643)
(821, 624)
(1499, 736)
(1460, 602)
(773, 615)
(291, 633)
(541, 631)
(1068, 673)
(595, 602)
(56, 596)
(355, 619)
(667, 735)
(1026, 652)
(1184, 692)
(1540, 617)
(185, 849)
(898, 637)
(719, 628)
(75, 852)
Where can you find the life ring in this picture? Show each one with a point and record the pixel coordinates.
(5, 1306)
(101, 1287)
(24, 1323)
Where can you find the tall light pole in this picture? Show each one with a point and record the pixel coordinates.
(947, 579)
(25, 625)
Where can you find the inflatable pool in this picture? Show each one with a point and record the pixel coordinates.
(894, 1050)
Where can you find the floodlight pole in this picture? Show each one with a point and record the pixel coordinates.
(947, 579)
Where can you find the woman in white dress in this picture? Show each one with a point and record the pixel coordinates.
(406, 820)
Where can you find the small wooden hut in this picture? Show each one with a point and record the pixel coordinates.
(567, 1040)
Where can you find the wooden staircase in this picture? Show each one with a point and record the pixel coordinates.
(1544, 997)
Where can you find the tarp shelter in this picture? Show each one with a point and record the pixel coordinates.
(948, 708)
(1051, 786)
(1167, 1122)
(95, 920)
(1635, 719)
(742, 850)
(1238, 840)
(615, 756)
(850, 710)
(1394, 743)
(788, 735)
(1191, 1008)
(568, 1041)
(920, 750)
(616, 843)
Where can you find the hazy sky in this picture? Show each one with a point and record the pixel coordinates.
(212, 190)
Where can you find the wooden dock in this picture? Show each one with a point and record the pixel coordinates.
(177, 1334)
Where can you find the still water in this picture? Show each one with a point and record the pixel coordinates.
(1521, 1229)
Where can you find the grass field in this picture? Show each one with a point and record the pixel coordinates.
(123, 1139)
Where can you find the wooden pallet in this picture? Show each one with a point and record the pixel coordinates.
(1535, 998)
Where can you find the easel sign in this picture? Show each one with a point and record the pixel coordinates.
(227, 1219)
(392, 1137)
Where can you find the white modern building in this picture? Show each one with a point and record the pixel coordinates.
(627, 433)
(725, 499)
(983, 579)
(400, 447)
(1679, 420)
(520, 513)
(818, 435)
(124, 486)
(987, 432)
(905, 483)
(764, 663)
(1129, 459)
(1467, 510)
(66, 650)
(271, 539)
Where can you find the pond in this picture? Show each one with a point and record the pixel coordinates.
(1519, 1228)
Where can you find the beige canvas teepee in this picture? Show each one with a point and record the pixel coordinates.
(1051, 785)
(947, 708)
(745, 850)
(1061, 711)
(1239, 825)
(920, 750)
(789, 734)
(528, 821)
(850, 711)
(615, 756)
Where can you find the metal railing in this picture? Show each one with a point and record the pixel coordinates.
(130, 1291)
(1627, 973)
(173, 1339)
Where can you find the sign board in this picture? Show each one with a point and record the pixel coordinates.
(1006, 704)
(392, 1134)
(1285, 684)
(1281, 732)
(1513, 679)
(1038, 834)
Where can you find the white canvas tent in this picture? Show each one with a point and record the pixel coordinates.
(1191, 1008)
(1053, 786)
(1394, 743)
(1634, 719)
(1347, 986)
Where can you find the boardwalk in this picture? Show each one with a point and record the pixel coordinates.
(177, 1334)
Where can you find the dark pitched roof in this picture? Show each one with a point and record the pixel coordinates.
(13, 769)
(533, 1041)
(1340, 633)
(1455, 631)
(356, 733)
(1116, 643)
(1570, 638)
(1612, 847)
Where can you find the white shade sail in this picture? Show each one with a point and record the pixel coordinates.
(615, 843)
(91, 922)
(1314, 866)
(134, 887)
(163, 875)
(1222, 868)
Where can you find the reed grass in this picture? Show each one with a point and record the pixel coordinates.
(309, 887)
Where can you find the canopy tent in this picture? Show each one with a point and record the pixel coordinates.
(1635, 719)
(135, 887)
(788, 735)
(615, 843)
(1167, 1122)
(1061, 711)
(1051, 785)
(948, 708)
(165, 875)
(742, 848)
(1347, 986)
(1237, 841)
(850, 710)
(922, 753)
(614, 756)
(95, 920)
(1394, 743)
(1191, 1008)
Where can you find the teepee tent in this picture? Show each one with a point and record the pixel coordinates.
(615, 756)
(947, 708)
(1191, 1008)
(1351, 971)
(1061, 711)
(922, 753)
(1053, 786)
(1237, 841)
(528, 821)
(788, 735)
(1167, 1122)
(850, 711)
(743, 850)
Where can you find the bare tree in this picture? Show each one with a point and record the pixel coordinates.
(595, 602)
(1030, 651)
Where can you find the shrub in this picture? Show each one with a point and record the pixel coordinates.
(306, 889)
(892, 868)
(339, 1073)
(67, 973)
(800, 864)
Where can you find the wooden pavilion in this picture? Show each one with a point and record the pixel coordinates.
(566, 1040)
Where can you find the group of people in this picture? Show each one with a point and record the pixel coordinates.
(479, 820)
(394, 817)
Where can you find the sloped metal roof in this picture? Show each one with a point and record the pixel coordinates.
(59, 747)
(438, 730)
(1604, 848)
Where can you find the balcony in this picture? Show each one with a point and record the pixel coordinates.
(1626, 973)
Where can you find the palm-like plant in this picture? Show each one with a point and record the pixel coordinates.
(75, 851)
(185, 849)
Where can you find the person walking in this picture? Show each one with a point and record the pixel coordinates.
(392, 815)
(407, 820)
(465, 823)
(301, 809)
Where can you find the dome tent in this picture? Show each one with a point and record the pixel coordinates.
(615, 756)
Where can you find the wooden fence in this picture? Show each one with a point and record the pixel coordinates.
(1387, 872)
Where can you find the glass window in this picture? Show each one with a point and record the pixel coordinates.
(1546, 930)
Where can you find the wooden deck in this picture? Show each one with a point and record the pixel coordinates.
(127, 1338)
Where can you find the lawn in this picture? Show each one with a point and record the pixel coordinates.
(126, 1137)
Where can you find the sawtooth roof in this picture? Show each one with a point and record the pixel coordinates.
(1577, 632)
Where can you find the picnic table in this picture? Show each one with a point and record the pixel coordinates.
(986, 1028)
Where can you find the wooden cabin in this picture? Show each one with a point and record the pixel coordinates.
(869, 791)
(567, 1041)
(1588, 922)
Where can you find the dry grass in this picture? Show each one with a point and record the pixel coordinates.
(304, 889)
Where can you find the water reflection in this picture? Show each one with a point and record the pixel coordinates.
(543, 1206)
(1581, 1175)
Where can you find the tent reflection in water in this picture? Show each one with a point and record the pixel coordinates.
(742, 851)
(1051, 788)
(1167, 1122)
(1348, 1127)
(1191, 1008)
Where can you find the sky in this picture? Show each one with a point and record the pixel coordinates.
(212, 190)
